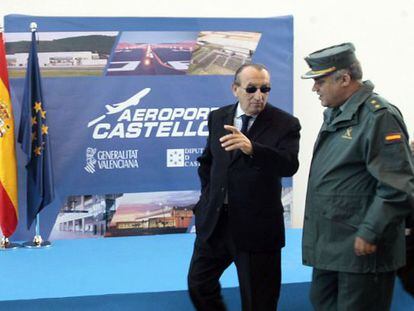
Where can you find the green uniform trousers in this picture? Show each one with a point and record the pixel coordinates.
(406, 273)
(342, 291)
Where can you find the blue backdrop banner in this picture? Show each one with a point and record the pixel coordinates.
(128, 98)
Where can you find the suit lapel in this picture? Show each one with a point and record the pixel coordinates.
(262, 122)
(227, 119)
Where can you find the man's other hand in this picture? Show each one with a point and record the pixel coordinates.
(362, 247)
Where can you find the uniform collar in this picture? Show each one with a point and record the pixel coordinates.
(352, 104)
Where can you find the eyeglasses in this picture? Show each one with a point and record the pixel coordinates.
(252, 89)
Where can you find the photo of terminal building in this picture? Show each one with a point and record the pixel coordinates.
(61, 54)
(84, 216)
(153, 213)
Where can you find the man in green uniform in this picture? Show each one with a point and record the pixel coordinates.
(360, 188)
(406, 273)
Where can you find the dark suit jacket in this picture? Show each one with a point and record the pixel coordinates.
(253, 183)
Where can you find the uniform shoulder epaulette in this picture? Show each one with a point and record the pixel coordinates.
(376, 103)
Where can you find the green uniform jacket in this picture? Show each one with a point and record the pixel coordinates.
(361, 183)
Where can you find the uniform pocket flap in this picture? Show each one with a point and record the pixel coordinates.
(348, 208)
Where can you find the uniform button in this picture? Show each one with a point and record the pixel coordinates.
(218, 209)
(222, 189)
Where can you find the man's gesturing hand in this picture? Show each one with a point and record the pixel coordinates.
(236, 140)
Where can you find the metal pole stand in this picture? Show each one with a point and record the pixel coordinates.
(5, 244)
(37, 240)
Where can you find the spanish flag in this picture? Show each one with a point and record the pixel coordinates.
(8, 169)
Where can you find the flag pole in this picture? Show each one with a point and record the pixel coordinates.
(37, 241)
(5, 243)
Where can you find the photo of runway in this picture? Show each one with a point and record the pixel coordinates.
(152, 53)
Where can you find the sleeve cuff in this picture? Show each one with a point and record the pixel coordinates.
(367, 235)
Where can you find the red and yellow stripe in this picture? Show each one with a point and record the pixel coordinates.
(8, 167)
(393, 137)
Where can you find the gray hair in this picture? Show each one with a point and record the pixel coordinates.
(258, 67)
(354, 71)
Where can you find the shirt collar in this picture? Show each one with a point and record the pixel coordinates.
(240, 112)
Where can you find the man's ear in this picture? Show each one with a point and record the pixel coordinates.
(346, 79)
(234, 89)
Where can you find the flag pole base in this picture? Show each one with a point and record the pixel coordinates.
(5, 244)
(37, 243)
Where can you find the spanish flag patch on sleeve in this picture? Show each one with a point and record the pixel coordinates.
(393, 138)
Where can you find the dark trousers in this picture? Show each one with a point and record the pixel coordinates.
(406, 274)
(333, 290)
(259, 273)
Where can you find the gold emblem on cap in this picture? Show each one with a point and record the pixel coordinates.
(323, 71)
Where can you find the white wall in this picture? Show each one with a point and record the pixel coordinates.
(382, 32)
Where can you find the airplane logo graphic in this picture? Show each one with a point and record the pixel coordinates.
(118, 107)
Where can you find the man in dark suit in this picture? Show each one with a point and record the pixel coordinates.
(239, 217)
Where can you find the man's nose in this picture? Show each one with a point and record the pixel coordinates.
(314, 88)
(258, 94)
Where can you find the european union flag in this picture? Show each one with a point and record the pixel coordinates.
(34, 137)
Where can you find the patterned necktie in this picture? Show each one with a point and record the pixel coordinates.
(245, 123)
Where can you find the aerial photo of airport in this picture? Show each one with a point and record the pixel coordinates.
(222, 52)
